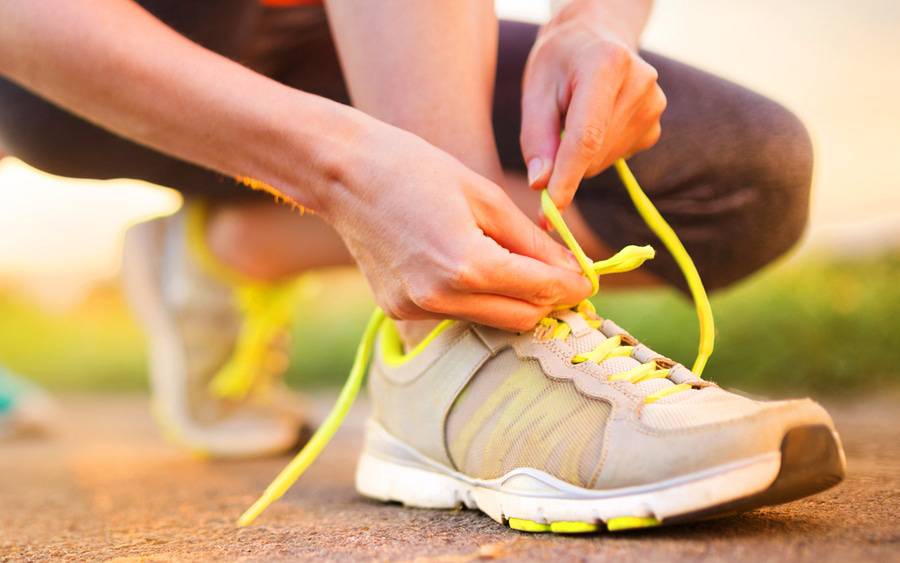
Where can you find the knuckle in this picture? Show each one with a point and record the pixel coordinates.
(650, 139)
(428, 297)
(662, 102)
(590, 140)
(465, 275)
(549, 293)
(648, 73)
(493, 197)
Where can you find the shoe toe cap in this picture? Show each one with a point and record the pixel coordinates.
(637, 453)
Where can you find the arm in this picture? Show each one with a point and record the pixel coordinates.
(113, 63)
(428, 67)
(432, 72)
(116, 65)
(586, 77)
(624, 18)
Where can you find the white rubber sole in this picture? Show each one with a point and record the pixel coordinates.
(531, 500)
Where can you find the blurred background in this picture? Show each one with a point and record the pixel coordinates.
(825, 320)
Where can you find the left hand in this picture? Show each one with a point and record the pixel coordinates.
(587, 80)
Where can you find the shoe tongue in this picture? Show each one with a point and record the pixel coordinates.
(576, 322)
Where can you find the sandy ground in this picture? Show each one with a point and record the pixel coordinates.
(105, 486)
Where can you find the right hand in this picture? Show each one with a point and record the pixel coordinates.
(436, 240)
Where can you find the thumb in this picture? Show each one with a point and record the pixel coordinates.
(539, 138)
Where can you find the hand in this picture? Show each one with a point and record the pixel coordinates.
(435, 239)
(586, 79)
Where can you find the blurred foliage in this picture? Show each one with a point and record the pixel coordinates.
(93, 346)
(819, 325)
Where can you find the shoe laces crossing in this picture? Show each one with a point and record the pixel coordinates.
(616, 346)
(627, 259)
(258, 359)
(265, 309)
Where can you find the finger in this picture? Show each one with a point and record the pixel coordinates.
(501, 312)
(539, 137)
(500, 272)
(648, 139)
(640, 133)
(500, 219)
(587, 124)
(635, 124)
(535, 282)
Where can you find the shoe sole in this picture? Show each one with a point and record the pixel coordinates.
(810, 460)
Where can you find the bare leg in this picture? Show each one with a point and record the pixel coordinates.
(269, 242)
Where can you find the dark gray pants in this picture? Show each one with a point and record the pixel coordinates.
(731, 172)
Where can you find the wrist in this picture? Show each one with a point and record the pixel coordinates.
(625, 20)
(305, 151)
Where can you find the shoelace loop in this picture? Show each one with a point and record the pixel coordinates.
(629, 258)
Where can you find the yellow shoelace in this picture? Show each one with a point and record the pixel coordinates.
(257, 360)
(266, 310)
(627, 259)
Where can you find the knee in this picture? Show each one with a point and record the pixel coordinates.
(762, 186)
(773, 171)
(783, 167)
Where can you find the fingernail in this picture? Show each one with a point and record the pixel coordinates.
(535, 170)
(573, 262)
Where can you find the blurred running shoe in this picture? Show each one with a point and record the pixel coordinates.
(218, 344)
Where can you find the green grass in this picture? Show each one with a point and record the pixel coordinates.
(821, 325)
(96, 346)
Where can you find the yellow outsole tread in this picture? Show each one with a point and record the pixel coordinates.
(613, 525)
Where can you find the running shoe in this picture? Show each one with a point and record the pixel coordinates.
(574, 426)
(218, 343)
(25, 409)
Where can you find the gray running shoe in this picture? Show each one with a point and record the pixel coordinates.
(576, 426)
(217, 344)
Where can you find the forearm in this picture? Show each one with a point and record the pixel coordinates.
(625, 18)
(116, 65)
(427, 67)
